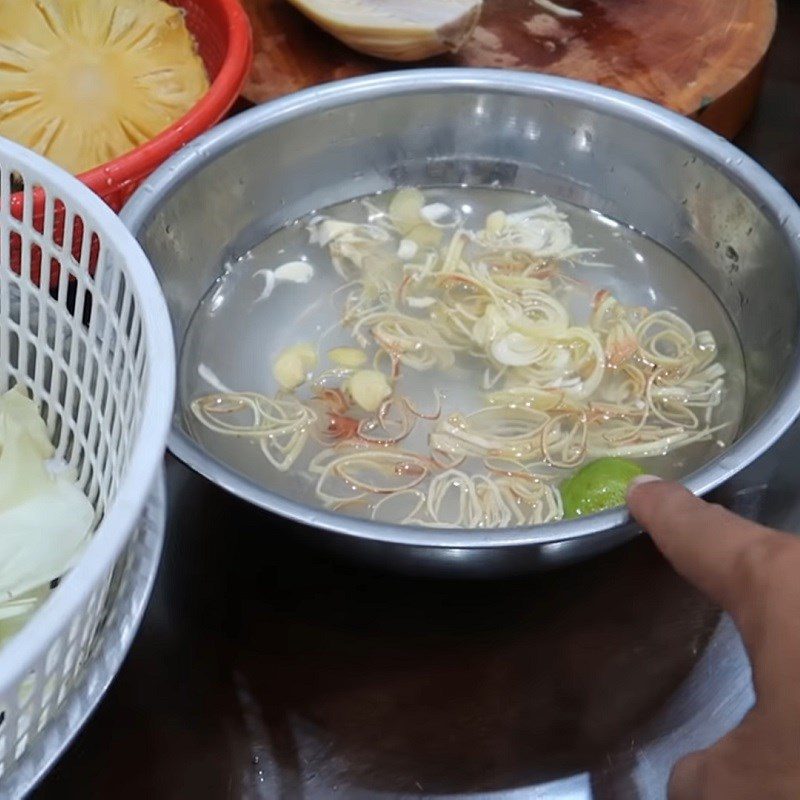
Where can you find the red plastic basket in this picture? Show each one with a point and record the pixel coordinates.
(221, 29)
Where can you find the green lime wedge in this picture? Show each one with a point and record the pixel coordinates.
(599, 485)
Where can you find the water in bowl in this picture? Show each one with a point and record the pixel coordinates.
(248, 317)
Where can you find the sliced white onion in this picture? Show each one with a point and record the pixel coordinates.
(420, 302)
(515, 350)
(44, 517)
(294, 272)
(407, 249)
(433, 212)
(558, 10)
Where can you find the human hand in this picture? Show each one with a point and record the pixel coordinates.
(752, 572)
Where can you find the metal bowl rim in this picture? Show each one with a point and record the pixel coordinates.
(745, 173)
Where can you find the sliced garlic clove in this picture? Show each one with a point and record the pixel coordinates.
(426, 236)
(368, 388)
(398, 30)
(289, 372)
(293, 365)
(495, 222)
(350, 357)
(405, 208)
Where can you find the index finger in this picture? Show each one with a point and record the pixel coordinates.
(706, 543)
(750, 570)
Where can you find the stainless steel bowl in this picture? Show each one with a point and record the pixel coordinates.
(684, 186)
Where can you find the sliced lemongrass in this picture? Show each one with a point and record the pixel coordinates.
(452, 256)
(283, 451)
(409, 339)
(665, 338)
(281, 425)
(375, 471)
(453, 488)
(381, 510)
(509, 431)
(263, 414)
(389, 426)
(434, 415)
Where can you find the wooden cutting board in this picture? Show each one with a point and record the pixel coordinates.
(702, 58)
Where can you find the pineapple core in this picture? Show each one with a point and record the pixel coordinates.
(84, 81)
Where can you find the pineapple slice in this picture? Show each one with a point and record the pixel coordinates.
(84, 81)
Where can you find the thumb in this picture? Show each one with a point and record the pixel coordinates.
(705, 543)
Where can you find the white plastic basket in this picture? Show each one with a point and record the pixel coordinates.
(96, 352)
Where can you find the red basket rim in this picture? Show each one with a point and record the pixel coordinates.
(206, 112)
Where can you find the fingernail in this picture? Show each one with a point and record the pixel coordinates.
(640, 480)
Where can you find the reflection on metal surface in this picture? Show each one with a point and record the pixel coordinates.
(578, 787)
(718, 691)
(713, 699)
